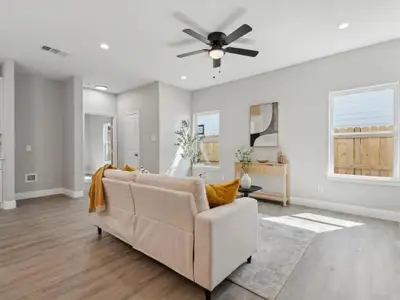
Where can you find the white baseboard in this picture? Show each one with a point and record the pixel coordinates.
(349, 209)
(72, 194)
(8, 205)
(37, 194)
(42, 193)
(51, 192)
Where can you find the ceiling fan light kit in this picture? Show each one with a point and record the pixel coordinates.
(216, 53)
(217, 40)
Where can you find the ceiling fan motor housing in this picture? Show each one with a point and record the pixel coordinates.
(217, 38)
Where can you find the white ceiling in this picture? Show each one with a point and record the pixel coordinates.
(145, 36)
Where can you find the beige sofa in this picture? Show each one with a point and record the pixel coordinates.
(169, 219)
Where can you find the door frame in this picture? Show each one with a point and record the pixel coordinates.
(130, 113)
(114, 134)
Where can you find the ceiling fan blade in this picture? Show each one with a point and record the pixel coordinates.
(185, 19)
(238, 33)
(216, 63)
(197, 36)
(231, 18)
(240, 51)
(192, 53)
(186, 42)
(245, 41)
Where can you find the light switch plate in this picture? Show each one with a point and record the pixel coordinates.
(28, 148)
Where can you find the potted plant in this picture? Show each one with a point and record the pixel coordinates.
(187, 141)
(244, 157)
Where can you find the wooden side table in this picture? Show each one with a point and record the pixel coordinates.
(252, 189)
(273, 169)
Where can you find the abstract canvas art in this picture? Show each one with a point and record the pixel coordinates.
(264, 125)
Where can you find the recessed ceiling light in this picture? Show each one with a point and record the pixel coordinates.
(101, 88)
(183, 77)
(343, 26)
(104, 46)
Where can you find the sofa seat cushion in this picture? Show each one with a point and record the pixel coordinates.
(193, 185)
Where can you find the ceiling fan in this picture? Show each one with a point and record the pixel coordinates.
(217, 41)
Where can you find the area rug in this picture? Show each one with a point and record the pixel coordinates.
(280, 248)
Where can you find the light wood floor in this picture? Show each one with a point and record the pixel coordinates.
(49, 250)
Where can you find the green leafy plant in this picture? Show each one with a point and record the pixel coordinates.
(244, 157)
(188, 141)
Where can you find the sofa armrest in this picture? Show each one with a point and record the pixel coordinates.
(225, 237)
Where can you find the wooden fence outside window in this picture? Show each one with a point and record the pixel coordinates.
(364, 155)
(209, 150)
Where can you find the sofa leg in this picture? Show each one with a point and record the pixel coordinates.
(249, 260)
(99, 230)
(208, 294)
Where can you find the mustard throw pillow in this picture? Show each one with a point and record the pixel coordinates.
(128, 168)
(224, 193)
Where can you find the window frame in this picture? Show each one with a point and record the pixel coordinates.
(106, 142)
(194, 130)
(395, 179)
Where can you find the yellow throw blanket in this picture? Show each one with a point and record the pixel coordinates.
(96, 191)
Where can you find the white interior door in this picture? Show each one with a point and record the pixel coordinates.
(132, 145)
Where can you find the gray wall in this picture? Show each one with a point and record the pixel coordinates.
(144, 100)
(38, 122)
(93, 142)
(8, 131)
(49, 117)
(302, 92)
(73, 135)
(174, 106)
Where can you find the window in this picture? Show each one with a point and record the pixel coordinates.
(107, 143)
(364, 132)
(208, 125)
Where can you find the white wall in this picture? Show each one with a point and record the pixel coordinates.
(96, 102)
(8, 133)
(302, 92)
(38, 122)
(174, 106)
(144, 100)
(93, 145)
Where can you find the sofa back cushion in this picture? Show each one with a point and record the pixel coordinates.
(118, 194)
(164, 226)
(119, 216)
(192, 185)
(121, 175)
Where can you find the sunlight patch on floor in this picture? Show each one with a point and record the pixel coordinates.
(328, 220)
(313, 222)
(303, 224)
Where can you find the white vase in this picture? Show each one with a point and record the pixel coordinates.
(245, 181)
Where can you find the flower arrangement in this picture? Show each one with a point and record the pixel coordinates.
(244, 157)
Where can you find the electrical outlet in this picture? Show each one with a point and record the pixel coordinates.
(30, 177)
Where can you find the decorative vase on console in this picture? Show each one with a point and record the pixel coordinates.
(244, 157)
(245, 181)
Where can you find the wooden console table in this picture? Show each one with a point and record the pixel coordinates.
(281, 170)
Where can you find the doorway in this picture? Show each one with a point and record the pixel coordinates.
(99, 141)
(132, 140)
